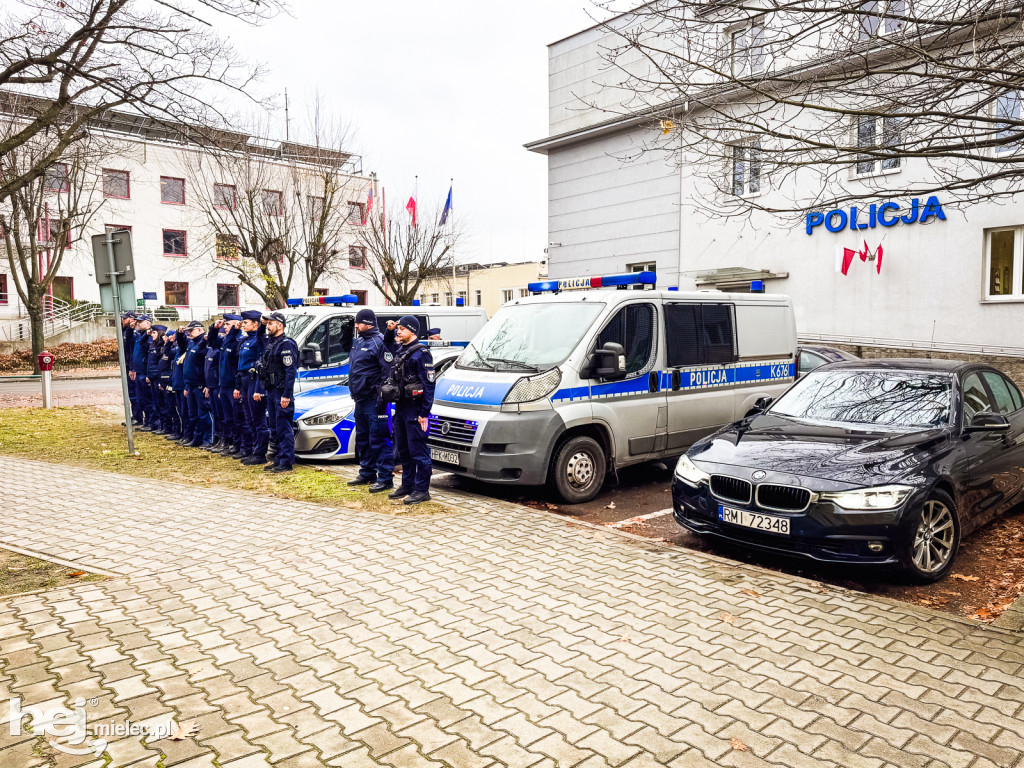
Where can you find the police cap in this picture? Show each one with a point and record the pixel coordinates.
(160, 328)
(277, 316)
(193, 324)
(252, 314)
(232, 317)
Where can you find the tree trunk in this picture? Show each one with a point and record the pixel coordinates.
(36, 318)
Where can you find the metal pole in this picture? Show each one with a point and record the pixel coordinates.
(47, 390)
(116, 293)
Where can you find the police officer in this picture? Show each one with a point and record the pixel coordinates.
(128, 337)
(172, 425)
(156, 393)
(211, 380)
(368, 365)
(411, 381)
(180, 350)
(198, 406)
(250, 389)
(227, 367)
(278, 369)
(140, 356)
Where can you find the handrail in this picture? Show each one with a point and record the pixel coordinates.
(994, 350)
(58, 316)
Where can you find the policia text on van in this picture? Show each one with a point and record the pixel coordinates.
(572, 383)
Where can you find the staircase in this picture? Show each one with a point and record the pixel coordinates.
(58, 316)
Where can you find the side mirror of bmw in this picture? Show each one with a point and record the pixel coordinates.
(311, 357)
(762, 403)
(609, 362)
(988, 422)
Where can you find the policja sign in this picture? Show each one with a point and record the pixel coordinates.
(115, 272)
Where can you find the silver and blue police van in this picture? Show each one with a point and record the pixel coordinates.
(324, 329)
(578, 380)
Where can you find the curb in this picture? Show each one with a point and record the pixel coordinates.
(36, 377)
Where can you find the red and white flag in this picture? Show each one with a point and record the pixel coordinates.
(411, 208)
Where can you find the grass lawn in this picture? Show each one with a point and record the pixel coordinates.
(93, 438)
(25, 574)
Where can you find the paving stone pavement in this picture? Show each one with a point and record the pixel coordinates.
(303, 635)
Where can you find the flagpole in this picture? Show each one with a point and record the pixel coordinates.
(451, 235)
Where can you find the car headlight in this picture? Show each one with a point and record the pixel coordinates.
(324, 419)
(531, 388)
(690, 473)
(878, 497)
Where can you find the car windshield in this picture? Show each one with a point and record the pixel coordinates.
(296, 324)
(530, 337)
(902, 399)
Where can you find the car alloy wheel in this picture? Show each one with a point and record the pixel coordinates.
(934, 538)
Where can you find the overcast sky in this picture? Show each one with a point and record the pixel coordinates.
(444, 90)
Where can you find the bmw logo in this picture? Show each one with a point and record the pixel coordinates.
(446, 427)
(759, 475)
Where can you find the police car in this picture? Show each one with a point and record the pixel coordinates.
(324, 328)
(573, 383)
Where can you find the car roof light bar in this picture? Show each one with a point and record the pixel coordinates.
(583, 283)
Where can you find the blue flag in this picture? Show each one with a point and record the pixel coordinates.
(447, 208)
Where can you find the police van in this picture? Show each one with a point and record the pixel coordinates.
(324, 326)
(572, 383)
(324, 329)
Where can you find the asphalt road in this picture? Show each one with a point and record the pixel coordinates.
(93, 391)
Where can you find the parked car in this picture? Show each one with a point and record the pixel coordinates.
(812, 356)
(881, 462)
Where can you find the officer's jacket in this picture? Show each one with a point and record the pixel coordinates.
(250, 352)
(167, 350)
(418, 367)
(227, 363)
(369, 363)
(140, 352)
(153, 358)
(211, 370)
(178, 368)
(128, 335)
(195, 355)
(281, 363)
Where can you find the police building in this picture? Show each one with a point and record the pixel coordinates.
(889, 270)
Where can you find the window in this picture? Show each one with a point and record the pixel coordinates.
(356, 214)
(807, 362)
(334, 338)
(227, 295)
(634, 327)
(1005, 394)
(360, 297)
(319, 291)
(868, 128)
(3, 289)
(462, 295)
(357, 257)
(316, 208)
(746, 50)
(877, 17)
(746, 169)
(645, 267)
(108, 228)
(479, 298)
(48, 231)
(434, 298)
(57, 178)
(225, 197)
(172, 190)
(63, 288)
(506, 296)
(700, 334)
(448, 298)
(176, 294)
(116, 184)
(1007, 107)
(273, 202)
(276, 250)
(174, 242)
(1004, 268)
(227, 247)
(976, 398)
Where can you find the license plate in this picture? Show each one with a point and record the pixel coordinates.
(448, 457)
(768, 523)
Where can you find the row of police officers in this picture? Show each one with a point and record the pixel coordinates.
(229, 389)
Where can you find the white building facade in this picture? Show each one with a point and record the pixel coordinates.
(149, 185)
(951, 278)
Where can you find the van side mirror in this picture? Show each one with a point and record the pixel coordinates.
(609, 362)
(762, 403)
(311, 357)
(988, 422)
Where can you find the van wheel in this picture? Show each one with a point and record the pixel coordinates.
(932, 539)
(578, 469)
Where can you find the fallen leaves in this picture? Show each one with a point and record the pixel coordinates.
(185, 730)
(76, 574)
(610, 506)
(991, 612)
(728, 618)
(962, 577)
(738, 745)
(750, 592)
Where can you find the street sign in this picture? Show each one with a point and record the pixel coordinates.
(124, 262)
(149, 295)
(140, 302)
(127, 297)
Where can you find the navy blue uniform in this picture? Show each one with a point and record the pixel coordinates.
(227, 369)
(411, 448)
(128, 337)
(172, 422)
(178, 384)
(211, 378)
(254, 433)
(281, 363)
(369, 364)
(140, 354)
(156, 395)
(198, 405)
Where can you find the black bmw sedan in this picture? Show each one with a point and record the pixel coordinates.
(883, 462)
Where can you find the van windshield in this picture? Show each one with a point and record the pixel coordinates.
(296, 324)
(530, 336)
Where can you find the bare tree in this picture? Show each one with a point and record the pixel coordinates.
(820, 102)
(400, 256)
(41, 219)
(63, 64)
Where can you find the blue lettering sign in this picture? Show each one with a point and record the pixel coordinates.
(886, 215)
